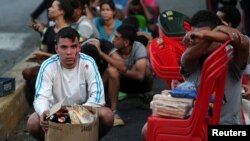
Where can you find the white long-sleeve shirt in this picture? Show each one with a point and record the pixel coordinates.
(80, 85)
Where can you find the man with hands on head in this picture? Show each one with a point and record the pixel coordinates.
(205, 37)
(105, 55)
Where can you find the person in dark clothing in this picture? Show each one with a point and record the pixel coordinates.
(44, 5)
(229, 15)
(61, 12)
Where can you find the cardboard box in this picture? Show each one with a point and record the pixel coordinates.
(73, 132)
(7, 85)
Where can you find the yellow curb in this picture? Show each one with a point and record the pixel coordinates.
(14, 107)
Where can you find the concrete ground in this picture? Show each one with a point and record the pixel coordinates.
(134, 110)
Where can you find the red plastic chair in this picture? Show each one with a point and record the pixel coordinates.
(165, 58)
(194, 128)
(167, 50)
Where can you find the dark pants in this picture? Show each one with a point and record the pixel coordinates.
(30, 94)
(134, 86)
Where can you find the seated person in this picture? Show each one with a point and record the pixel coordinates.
(48, 41)
(108, 60)
(60, 77)
(137, 77)
(146, 18)
(107, 22)
(81, 23)
(142, 36)
(205, 37)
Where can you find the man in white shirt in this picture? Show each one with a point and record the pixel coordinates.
(71, 75)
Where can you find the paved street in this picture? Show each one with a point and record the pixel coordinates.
(17, 39)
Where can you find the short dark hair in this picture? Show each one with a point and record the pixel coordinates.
(78, 4)
(68, 9)
(231, 14)
(132, 21)
(108, 2)
(133, 4)
(67, 32)
(127, 32)
(205, 18)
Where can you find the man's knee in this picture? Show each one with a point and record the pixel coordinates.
(30, 73)
(27, 74)
(106, 116)
(113, 72)
(33, 124)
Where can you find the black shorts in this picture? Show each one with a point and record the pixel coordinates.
(134, 86)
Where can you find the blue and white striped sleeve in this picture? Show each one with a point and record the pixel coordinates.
(95, 88)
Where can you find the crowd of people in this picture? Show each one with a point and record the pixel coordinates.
(97, 49)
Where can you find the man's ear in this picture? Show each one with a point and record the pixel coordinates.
(126, 42)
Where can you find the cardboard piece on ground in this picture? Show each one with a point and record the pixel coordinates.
(73, 132)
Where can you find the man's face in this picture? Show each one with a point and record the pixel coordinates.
(54, 10)
(118, 41)
(77, 14)
(68, 51)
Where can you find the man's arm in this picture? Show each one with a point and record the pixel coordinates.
(113, 59)
(192, 54)
(40, 27)
(219, 34)
(138, 70)
(246, 94)
(240, 44)
(95, 89)
(43, 90)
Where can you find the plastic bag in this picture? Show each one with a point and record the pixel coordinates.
(185, 90)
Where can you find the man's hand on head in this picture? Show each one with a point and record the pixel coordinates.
(192, 37)
(97, 44)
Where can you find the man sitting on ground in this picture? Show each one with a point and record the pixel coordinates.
(72, 75)
(137, 76)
